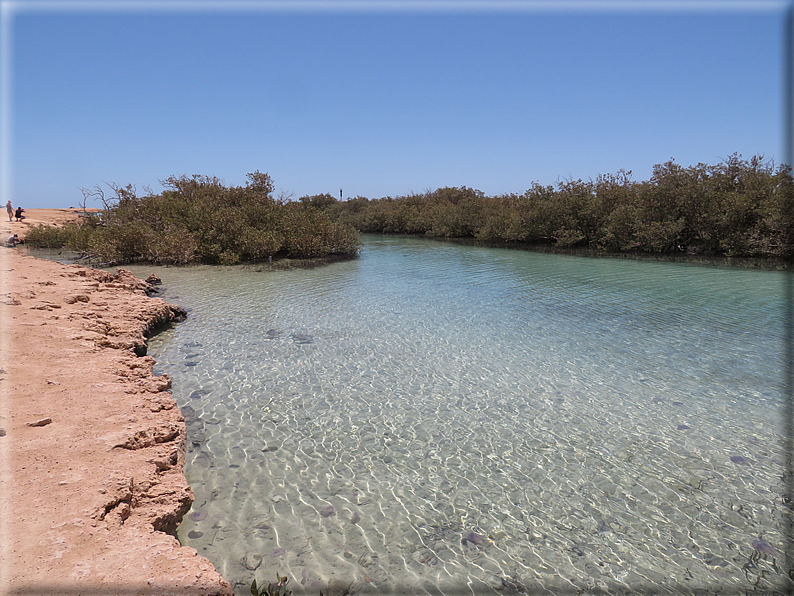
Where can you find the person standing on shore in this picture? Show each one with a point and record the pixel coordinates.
(10, 210)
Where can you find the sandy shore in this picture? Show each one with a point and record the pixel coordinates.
(91, 443)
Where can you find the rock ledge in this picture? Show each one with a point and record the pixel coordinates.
(93, 448)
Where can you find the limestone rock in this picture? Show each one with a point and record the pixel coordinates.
(40, 422)
(99, 500)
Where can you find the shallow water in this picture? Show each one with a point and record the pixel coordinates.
(441, 419)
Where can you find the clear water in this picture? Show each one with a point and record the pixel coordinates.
(441, 419)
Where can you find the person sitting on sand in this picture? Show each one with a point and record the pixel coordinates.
(19, 215)
(14, 240)
(10, 210)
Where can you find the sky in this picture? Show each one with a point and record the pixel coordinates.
(379, 98)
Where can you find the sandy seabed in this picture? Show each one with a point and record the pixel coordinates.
(92, 444)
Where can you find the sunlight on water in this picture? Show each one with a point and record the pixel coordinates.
(440, 419)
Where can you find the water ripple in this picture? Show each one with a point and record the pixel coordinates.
(430, 417)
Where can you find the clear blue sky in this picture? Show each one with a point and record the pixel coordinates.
(380, 101)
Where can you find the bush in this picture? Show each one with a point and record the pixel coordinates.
(734, 208)
(199, 219)
(44, 236)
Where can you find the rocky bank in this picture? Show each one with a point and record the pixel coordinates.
(92, 444)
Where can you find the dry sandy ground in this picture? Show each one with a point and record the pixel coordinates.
(91, 443)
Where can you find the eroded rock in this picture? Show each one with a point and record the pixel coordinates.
(40, 422)
(101, 498)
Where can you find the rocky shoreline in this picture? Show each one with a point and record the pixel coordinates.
(92, 444)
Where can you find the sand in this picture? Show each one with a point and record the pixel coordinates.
(92, 444)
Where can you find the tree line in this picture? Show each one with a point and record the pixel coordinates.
(736, 208)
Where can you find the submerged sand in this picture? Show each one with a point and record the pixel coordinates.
(92, 444)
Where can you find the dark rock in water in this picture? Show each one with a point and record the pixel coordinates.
(511, 586)
(233, 466)
(154, 280)
(473, 538)
(682, 427)
(194, 534)
(328, 511)
(272, 334)
(713, 560)
(192, 344)
(197, 437)
(577, 551)
(738, 459)
(336, 587)
(194, 426)
(269, 449)
(198, 515)
(678, 403)
(602, 527)
(388, 459)
(189, 414)
(762, 546)
(191, 363)
(356, 518)
(302, 338)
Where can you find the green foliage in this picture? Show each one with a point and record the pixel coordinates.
(312, 234)
(73, 236)
(44, 236)
(322, 201)
(199, 219)
(271, 589)
(737, 208)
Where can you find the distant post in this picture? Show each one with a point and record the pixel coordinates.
(340, 194)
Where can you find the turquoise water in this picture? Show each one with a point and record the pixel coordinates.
(442, 419)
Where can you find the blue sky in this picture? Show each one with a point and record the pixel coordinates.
(380, 99)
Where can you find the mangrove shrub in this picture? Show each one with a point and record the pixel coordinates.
(736, 208)
(198, 218)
